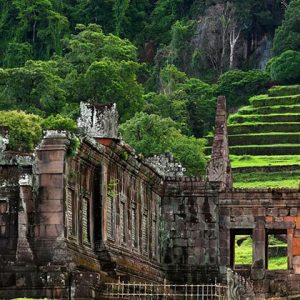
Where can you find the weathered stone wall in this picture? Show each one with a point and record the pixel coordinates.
(113, 210)
(70, 224)
(190, 225)
(259, 212)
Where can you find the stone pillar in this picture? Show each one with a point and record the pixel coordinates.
(104, 200)
(24, 252)
(259, 251)
(50, 212)
(219, 169)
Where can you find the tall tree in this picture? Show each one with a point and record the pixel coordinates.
(287, 36)
(120, 7)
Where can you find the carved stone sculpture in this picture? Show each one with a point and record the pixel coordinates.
(239, 288)
(99, 121)
(3, 138)
(219, 169)
(167, 165)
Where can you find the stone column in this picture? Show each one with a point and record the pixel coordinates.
(259, 251)
(24, 252)
(50, 209)
(104, 200)
(219, 169)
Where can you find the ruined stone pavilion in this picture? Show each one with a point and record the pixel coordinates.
(68, 225)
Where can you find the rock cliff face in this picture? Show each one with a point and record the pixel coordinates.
(224, 36)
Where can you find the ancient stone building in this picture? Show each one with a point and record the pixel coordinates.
(69, 224)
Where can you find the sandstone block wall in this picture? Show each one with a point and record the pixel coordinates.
(259, 213)
(190, 241)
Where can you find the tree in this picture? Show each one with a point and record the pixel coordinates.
(170, 77)
(120, 7)
(41, 26)
(287, 36)
(111, 81)
(90, 44)
(238, 86)
(153, 135)
(34, 88)
(17, 54)
(188, 101)
(286, 67)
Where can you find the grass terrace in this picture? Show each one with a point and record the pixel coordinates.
(265, 138)
(285, 179)
(245, 161)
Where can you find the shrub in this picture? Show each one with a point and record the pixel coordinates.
(25, 130)
(286, 67)
(59, 122)
(238, 86)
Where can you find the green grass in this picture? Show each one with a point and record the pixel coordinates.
(263, 138)
(263, 127)
(266, 133)
(264, 160)
(284, 90)
(244, 252)
(273, 149)
(277, 263)
(287, 179)
(274, 109)
(264, 118)
(265, 100)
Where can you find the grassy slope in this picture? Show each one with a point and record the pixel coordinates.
(258, 144)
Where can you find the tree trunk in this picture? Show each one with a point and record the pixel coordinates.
(233, 38)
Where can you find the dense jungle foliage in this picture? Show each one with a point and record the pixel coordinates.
(162, 61)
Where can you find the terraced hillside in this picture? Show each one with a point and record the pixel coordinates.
(264, 140)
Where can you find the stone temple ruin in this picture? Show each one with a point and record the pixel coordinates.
(68, 225)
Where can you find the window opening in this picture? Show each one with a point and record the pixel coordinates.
(241, 248)
(276, 251)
